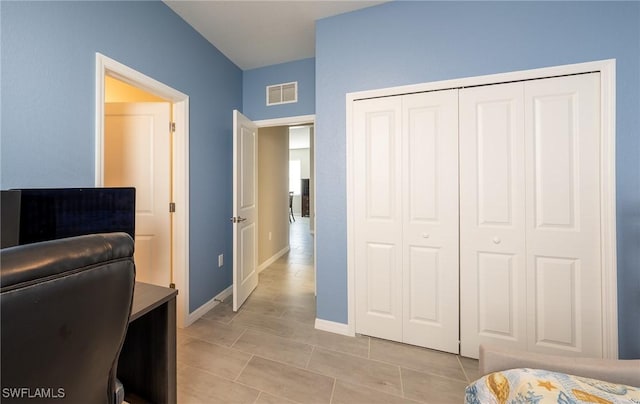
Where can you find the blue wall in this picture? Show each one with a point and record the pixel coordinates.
(411, 42)
(47, 85)
(255, 81)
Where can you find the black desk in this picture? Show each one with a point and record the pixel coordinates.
(147, 364)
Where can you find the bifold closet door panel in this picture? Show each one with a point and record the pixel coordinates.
(492, 218)
(377, 170)
(430, 220)
(562, 132)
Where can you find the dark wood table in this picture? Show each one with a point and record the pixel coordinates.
(147, 364)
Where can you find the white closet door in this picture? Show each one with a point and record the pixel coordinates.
(492, 218)
(563, 215)
(430, 220)
(377, 152)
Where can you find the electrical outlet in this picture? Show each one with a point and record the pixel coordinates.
(220, 260)
(269, 236)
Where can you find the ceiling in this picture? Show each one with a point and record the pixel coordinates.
(261, 33)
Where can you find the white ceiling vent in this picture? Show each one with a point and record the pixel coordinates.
(284, 93)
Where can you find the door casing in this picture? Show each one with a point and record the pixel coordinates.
(106, 66)
(607, 70)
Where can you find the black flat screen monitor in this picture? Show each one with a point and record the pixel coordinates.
(54, 213)
(10, 219)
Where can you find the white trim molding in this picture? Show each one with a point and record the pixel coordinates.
(608, 208)
(202, 310)
(106, 66)
(607, 69)
(288, 121)
(336, 328)
(273, 259)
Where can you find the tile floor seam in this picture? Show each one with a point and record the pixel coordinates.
(262, 391)
(270, 359)
(355, 382)
(221, 377)
(434, 374)
(313, 349)
(216, 344)
(285, 364)
(374, 389)
(464, 372)
(333, 390)
(320, 374)
(426, 371)
(385, 363)
(272, 395)
(391, 364)
(237, 339)
(243, 369)
(401, 382)
(211, 322)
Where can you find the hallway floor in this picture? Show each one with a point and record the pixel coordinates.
(270, 352)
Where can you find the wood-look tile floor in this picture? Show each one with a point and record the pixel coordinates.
(270, 352)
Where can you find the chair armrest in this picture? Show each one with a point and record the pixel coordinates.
(118, 394)
(494, 359)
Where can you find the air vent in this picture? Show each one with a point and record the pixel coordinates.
(284, 93)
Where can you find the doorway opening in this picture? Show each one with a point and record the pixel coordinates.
(274, 134)
(137, 153)
(177, 163)
(282, 144)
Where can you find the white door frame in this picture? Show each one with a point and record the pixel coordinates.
(106, 66)
(292, 121)
(607, 69)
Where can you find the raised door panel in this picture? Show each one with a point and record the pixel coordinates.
(497, 281)
(377, 165)
(137, 154)
(248, 158)
(430, 220)
(558, 316)
(245, 208)
(563, 214)
(492, 220)
(247, 267)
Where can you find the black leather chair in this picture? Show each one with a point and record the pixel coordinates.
(64, 308)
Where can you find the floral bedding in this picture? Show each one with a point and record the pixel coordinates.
(518, 386)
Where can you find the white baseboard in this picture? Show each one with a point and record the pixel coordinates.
(202, 310)
(336, 328)
(273, 259)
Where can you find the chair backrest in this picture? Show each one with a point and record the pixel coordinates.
(65, 308)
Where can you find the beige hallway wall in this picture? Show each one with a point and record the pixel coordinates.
(273, 191)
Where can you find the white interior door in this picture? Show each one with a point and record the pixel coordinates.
(562, 132)
(430, 220)
(245, 208)
(377, 162)
(492, 218)
(137, 154)
(405, 151)
(530, 216)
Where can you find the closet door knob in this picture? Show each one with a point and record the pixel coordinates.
(496, 240)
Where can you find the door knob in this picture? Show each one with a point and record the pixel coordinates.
(496, 240)
(237, 219)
